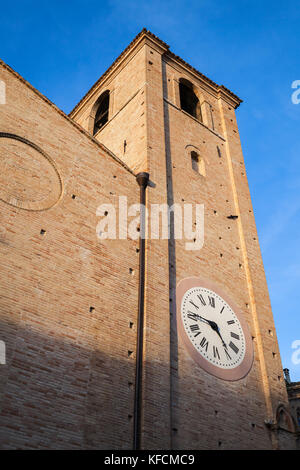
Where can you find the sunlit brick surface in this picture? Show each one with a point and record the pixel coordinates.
(69, 301)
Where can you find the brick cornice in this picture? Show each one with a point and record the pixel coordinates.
(145, 36)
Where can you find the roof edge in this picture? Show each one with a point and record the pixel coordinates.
(143, 33)
(146, 33)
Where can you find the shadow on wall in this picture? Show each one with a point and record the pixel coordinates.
(56, 394)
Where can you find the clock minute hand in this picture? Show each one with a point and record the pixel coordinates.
(215, 327)
(223, 342)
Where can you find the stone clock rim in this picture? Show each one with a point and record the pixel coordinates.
(244, 367)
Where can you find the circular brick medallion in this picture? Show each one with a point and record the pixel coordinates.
(29, 178)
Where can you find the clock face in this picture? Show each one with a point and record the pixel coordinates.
(213, 329)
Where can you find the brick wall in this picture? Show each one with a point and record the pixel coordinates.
(68, 301)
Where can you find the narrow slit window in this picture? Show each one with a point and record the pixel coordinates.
(101, 116)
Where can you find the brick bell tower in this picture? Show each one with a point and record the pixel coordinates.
(112, 342)
(160, 115)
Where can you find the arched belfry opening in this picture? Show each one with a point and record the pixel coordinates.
(101, 111)
(189, 101)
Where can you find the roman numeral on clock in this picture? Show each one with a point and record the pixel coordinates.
(192, 316)
(195, 328)
(230, 322)
(222, 309)
(233, 347)
(204, 343)
(216, 352)
(196, 306)
(234, 335)
(201, 299)
(212, 302)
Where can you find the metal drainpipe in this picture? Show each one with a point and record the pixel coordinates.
(142, 180)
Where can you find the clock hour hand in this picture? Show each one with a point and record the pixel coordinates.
(202, 319)
(211, 323)
(198, 317)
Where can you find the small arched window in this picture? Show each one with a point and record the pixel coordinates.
(197, 163)
(101, 116)
(189, 101)
(298, 417)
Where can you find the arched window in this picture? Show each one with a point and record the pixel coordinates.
(298, 417)
(189, 101)
(197, 163)
(284, 419)
(101, 116)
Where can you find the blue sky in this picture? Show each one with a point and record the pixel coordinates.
(251, 47)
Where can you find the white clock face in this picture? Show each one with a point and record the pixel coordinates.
(213, 328)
